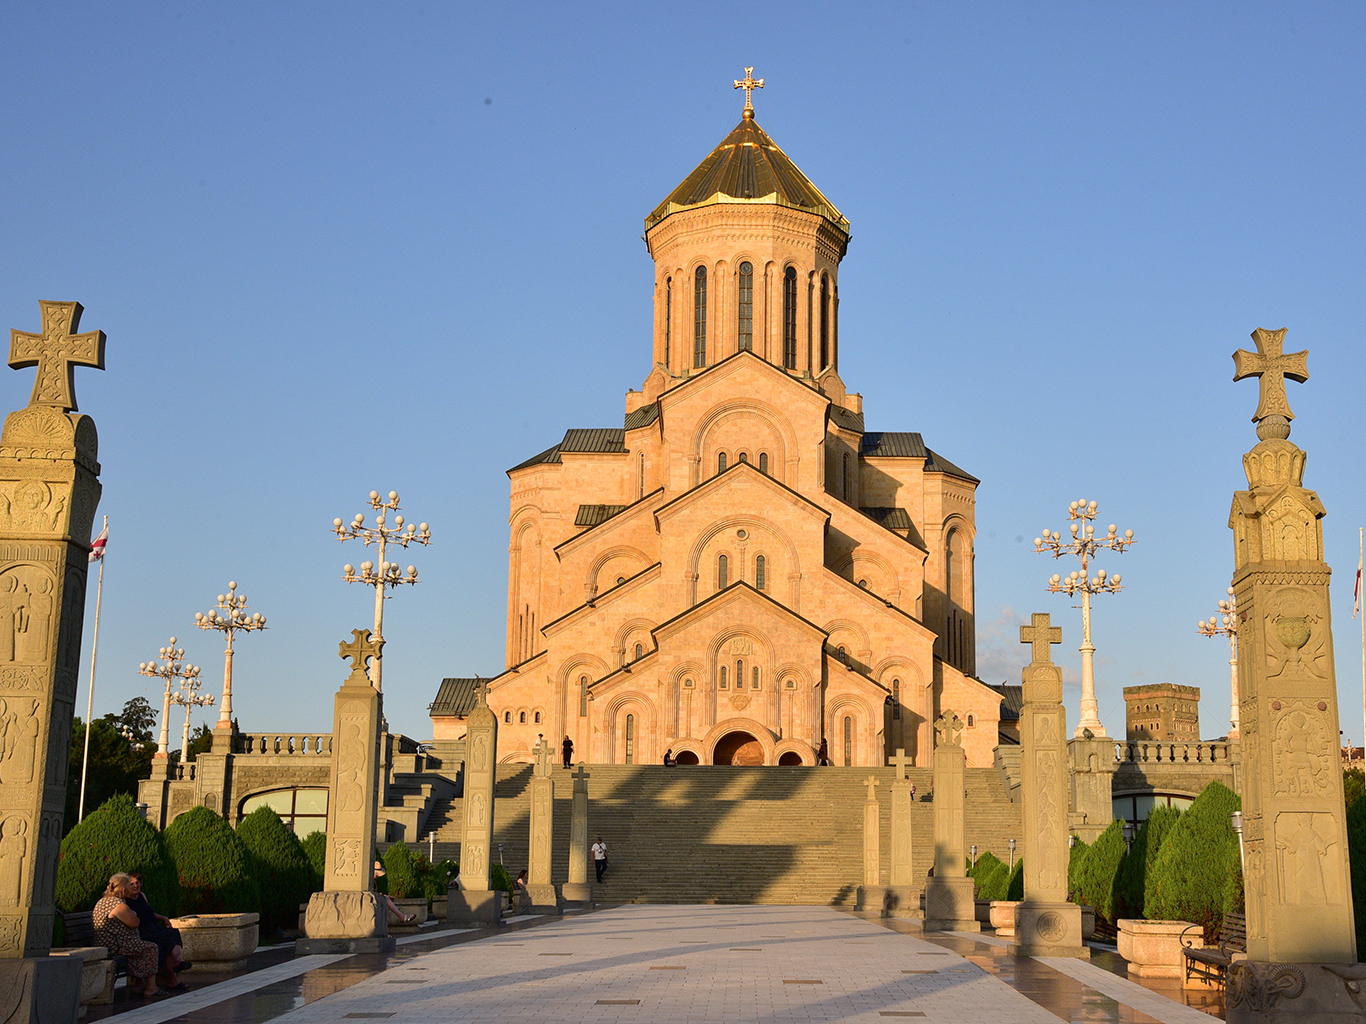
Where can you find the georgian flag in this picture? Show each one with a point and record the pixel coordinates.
(97, 545)
(1356, 607)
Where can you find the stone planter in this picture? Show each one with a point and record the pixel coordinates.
(983, 911)
(1153, 948)
(97, 974)
(416, 906)
(1088, 923)
(439, 908)
(218, 942)
(1002, 916)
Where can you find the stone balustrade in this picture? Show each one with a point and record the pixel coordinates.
(280, 744)
(184, 772)
(1172, 753)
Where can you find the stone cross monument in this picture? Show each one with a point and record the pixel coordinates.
(949, 903)
(539, 887)
(476, 902)
(1301, 943)
(1046, 924)
(903, 899)
(49, 487)
(348, 916)
(872, 894)
(579, 890)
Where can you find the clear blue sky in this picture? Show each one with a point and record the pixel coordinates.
(340, 247)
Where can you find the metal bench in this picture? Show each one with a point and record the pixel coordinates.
(1211, 964)
(80, 931)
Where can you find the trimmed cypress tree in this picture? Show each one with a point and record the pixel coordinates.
(500, 879)
(1015, 881)
(281, 868)
(1096, 875)
(214, 866)
(985, 865)
(1356, 850)
(1133, 872)
(1188, 878)
(994, 883)
(315, 847)
(400, 871)
(115, 838)
(1076, 856)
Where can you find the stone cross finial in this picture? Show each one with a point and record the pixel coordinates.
(481, 691)
(580, 775)
(1039, 635)
(872, 784)
(542, 758)
(1271, 365)
(948, 728)
(57, 351)
(902, 764)
(360, 650)
(749, 84)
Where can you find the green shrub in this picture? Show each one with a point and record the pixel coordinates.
(1188, 879)
(115, 837)
(1233, 887)
(994, 883)
(214, 866)
(315, 848)
(986, 864)
(1356, 851)
(1353, 786)
(1096, 875)
(1075, 858)
(280, 866)
(1015, 881)
(1133, 872)
(435, 879)
(400, 871)
(501, 879)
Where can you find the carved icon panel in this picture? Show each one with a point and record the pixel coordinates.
(1302, 751)
(14, 851)
(1296, 640)
(19, 729)
(32, 506)
(27, 607)
(1305, 843)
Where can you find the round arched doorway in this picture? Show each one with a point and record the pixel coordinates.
(790, 757)
(686, 757)
(738, 748)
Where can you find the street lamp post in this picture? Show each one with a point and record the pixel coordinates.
(1084, 546)
(189, 698)
(386, 574)
(234, 620)
(1226, 624)
(171, 668)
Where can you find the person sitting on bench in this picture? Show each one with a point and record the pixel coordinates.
(154, 927)
(116, 929)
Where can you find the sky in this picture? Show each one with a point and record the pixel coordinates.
(342, 247)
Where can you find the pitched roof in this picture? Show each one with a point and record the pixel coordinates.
(592, 515)
(936, 463)
(889, 516)
(594, 439)
(643, 416)
(551, 454)
(846, 419)
(1012, 701)
(892, 444)
(455, 697)
(747, 165)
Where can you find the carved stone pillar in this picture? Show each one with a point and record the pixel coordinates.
(1092, 762)
(476, 902)
(872, 894)
(949, 903)
(578, 889)
(539, 887)
(49, 487)
(903, 898)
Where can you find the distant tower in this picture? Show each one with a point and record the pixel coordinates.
(1162, 711)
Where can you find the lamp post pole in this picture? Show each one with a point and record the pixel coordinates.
(1084, 546)
(189, 698)
(386, 574)
(172, 667)
(234, 620)
(1226, 624)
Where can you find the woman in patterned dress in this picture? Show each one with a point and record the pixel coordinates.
(116, 929)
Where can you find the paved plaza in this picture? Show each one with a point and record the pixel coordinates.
(656, 963)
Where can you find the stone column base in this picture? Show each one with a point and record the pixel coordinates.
(902, 901)
(1048, 929)
(949, 905)
(43, 989)
(872, 899)
(543, 900)
(579, 894)
(345, 922)
(1319, 993)
(474, 906)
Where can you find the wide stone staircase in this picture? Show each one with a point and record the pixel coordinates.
(710, 834)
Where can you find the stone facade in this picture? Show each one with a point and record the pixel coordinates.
(1162, 711)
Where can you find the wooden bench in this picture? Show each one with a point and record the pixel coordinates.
(1211, 964)
(80, 931)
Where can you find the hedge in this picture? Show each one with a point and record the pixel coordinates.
(436, 878)
(1134, 871)
(1015, 881)
(115, 837)
(281, 867)
(215, 869)
(401, 872)
(994, 883)
(500, 879)
(1076, 856)
(1188, 879)
(985, 865)
(1096, 875)
(315, 848)
(1356, 850)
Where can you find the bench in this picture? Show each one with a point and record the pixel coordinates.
(80, 931)
(1211, 964)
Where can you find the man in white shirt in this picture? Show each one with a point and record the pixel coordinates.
(599, 858)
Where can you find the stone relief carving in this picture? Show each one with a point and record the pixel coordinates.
(739, 702)
(16, 677)
(19, 728)
(478, 810)
(1301, 766)
(351, 762)
(479, 753)
(1260, 986)
(741, 645)
(1294, 642)
(29, 506)
(11, 929)
(1050, 926)
(348, 858)
(1303, 841)
(26, 607)
(474, 860)
(13, 852)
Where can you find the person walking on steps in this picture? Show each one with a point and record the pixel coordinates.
(600, 858)
(567, 748)
(823, 755)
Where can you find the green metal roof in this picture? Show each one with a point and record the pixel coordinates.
(936, 463)
(890, 517)
(643, 416)
(593, 515)
(594, 439)
(890, 444)
(455, 697)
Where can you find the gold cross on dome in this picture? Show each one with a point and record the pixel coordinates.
(360, 650)
(749, 83)
(57, 351)
(1272, 366)
(1040, 634)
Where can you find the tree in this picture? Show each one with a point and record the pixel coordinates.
(985, 865)
(115, 766)
(138, 716)
(994, 883)
(281, 867)
(213, 863)
(1075, 858)
(1190, 876)
(315, 848)
(115, 837)
(1133, 872)
(400, 871)
(1353, 786)
(1015, 881)
(1096, 875)
(201, 742)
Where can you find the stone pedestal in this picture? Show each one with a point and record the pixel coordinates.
(949, 905)
(903, 895)
(1048, 929)
(871, 899)
(1300, 992)
(541, 891)
(901, 901)
(1153, 948)
(476, 901)
(542, 899)
(578, 891)
(41, 989)
(218, 942)
(478, 906)
(345, 922)
(97, 973)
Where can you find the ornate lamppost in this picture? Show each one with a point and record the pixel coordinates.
(1084, 545)
(386, 574)
(1226, 624)
(171, 668)
(189, 698)
(234, 620)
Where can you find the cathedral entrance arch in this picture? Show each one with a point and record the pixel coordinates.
(738, 748)
(791, 757)
(686, 757)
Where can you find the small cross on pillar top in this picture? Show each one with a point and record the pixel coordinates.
(360, 650)
(872, 784)
(749, 83)
(902, 764)
(57, 350)
(1271, 365)
(1039, 635)
(580, 775)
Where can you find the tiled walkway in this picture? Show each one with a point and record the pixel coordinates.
(657, 963)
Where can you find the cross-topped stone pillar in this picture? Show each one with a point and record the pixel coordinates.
(903, 897)
(872, 894)
(476, 901)
(949, 903)
(49, 488)
(578, 889)
(539, 887)
(348, 916)
(1046, 924)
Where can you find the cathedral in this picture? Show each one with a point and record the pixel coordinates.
(741, 570)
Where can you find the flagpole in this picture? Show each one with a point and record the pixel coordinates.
(1361, 560)
(90, 698)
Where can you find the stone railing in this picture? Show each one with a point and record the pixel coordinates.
(184, 772)
(284, 744)
(1159, 752)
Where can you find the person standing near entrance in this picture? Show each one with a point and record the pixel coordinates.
(599, 858)
(823, 755)
(567, 747)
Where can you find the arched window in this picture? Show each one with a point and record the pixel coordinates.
(790, 318)
(953, 592)
(507, 717)
(687, 683)
(722, 681)
(668, 316)
(896, 698)
(746, 307)
(699, 317)
(971, 721)
(302, 810)
(740, 674)
(760, 568)
(844, 658)
(537, 716)
(630, 739)
(722, 570)
(640, 474)
(844, 478)
(825, 321)
(848, 741)
(763, 463)
(754, 672)
(744, 456)
(521, 719)
(640, 651)
(721, 462)
(583, 696)
(791, 683)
